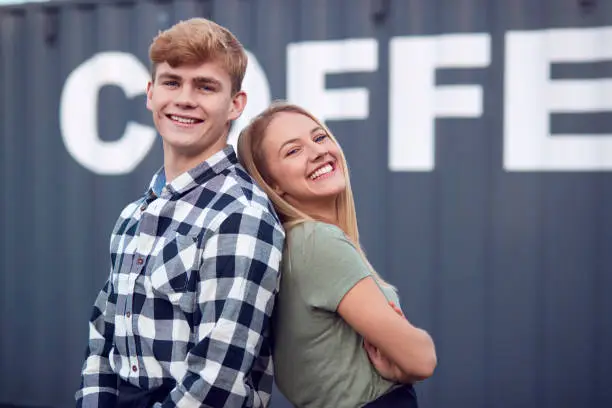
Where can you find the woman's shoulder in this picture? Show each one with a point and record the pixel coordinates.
(315, 236)
(314, 229)
(316, 242)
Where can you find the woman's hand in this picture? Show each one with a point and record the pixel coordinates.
(365, 308)
(382, 364)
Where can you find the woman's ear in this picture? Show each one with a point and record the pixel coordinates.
(269, 181)
(275, 187)
(278, 190)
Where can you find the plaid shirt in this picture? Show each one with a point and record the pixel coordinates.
(187, 305)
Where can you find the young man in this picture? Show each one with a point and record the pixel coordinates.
(184, 317)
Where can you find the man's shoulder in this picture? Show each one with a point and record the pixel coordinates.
(231, 201)
(242, 210)
(248, 196)
(130, 208)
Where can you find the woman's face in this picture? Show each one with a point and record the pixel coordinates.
(302, 163)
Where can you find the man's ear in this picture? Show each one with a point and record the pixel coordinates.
(149, 95)
(239, 101)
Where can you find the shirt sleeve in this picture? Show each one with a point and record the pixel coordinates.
(99, 383)
(325, 264)
(238, 286)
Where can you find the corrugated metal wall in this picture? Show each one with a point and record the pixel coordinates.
(503, 258)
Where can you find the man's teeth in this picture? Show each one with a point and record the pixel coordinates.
(323, 170)
(182, 120)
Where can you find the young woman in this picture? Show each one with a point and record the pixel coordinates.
(339, 338)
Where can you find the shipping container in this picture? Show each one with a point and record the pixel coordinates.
(479, 136)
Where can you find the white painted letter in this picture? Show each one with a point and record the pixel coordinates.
(530, 97)
(309, 62)
(79, 107)
(415, 100)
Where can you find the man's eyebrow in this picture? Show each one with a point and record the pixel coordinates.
(166, 75)
(206, 80)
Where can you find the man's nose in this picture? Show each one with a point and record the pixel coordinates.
(184, 98)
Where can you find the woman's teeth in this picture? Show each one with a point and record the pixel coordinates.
(323, 170)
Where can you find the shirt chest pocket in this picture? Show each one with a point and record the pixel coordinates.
(174, 265)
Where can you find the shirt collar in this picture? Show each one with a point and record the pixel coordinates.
(197, 175)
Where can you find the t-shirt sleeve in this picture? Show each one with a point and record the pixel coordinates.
(325, 265)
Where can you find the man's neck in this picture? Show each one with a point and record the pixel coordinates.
(176, 163)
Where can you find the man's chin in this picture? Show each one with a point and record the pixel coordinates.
(193, 145)
(180, 146)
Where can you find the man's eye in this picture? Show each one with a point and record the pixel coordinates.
(171, 83)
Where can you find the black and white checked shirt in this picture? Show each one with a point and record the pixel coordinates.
(194, 276)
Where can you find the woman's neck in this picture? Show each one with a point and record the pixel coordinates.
(324, 212)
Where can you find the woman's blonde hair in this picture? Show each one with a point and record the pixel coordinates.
(251, 157)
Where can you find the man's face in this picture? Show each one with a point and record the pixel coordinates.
(192, 106)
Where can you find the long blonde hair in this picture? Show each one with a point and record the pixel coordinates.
(250, 156)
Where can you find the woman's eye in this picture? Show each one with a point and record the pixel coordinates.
(320, 138)
(292, 152)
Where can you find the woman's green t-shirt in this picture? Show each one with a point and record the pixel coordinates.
(319, 359)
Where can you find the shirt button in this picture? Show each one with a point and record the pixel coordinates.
(143, 207)
(128, 314)
(140, 261)
(134, 368)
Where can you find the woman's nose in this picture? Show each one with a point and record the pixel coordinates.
(317, 151)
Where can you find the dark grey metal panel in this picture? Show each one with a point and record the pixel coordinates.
(510, 271)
